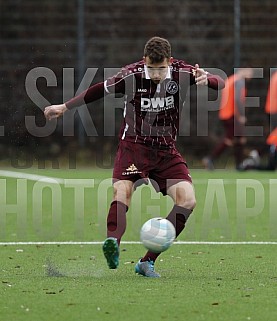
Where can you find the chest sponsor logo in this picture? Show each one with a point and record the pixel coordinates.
(142, 90)
(157, 103)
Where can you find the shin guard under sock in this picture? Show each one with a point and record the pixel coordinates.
(116, 220)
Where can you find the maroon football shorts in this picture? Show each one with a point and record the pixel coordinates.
(140, 163)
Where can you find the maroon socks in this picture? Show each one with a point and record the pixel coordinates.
(116, 220)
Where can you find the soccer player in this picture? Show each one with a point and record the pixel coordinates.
(232, 116)
(154, 90)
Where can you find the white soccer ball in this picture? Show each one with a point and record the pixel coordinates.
(157, 234)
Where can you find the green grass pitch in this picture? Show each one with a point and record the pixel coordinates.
(223, 268)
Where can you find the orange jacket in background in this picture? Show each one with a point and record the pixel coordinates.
(228, 106)
(271, 99)
(272, 138)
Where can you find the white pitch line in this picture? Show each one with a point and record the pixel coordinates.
(54, 180)
(137, 242)
(31, 177)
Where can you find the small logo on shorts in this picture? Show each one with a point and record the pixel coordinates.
(132, 169)
(172, 87)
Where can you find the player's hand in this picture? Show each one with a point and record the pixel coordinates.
(201, 76)
(54, 111)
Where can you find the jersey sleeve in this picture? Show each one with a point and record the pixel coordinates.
(215, 82)
(117, 83)
(93, 93)
(186, 71)
(114, 84)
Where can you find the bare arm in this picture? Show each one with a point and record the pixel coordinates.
(93, 93)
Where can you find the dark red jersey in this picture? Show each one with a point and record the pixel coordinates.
(151, 111)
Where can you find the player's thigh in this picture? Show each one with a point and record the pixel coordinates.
(122, 191)
(183, 194)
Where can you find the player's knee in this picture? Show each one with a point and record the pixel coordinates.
(188, 203)
(122, 196)
(122, 193)
(191, 203)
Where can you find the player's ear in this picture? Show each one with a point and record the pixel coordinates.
(144, 58)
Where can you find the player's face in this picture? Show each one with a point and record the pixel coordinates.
(157, 71)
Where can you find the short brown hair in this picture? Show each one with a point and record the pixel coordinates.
(157, 49)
